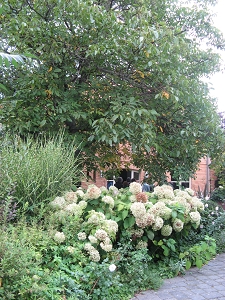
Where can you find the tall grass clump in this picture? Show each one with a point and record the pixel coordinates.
(39, 169)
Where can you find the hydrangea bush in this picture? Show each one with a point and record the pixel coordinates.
(144, 218)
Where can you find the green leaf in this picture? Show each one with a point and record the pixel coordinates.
(43, 122)
(120, 207)
(150, 234)
(124, 214)
(198, 263)
(188, 264)
(174, 214)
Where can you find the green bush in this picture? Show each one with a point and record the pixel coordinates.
(19, 260)
(39, 170)
(218, 194)
(108, 244)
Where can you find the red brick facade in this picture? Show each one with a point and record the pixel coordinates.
(203, 181)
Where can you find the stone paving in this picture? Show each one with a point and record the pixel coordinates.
(207, 283)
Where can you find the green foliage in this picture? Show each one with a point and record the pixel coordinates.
(19, 260)
(39, 170)
(112, 72)
(218, 194)
(136, 267)
(199, 254)
(78, 251)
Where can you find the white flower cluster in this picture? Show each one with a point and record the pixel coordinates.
(137, 233)
(80, 193)
(68, 205)
(113, 190)
(101, 234)
(71, 197)
(190, 192)
(110, 226)
(154, 215)
(58, 203)
(93, 239)
(195, 217)
(135, 188)
(141, 245)
(158, 224)
(138, 209)
(109, 200)
(96, 218)
(81, 236)
(93, 192)
(178, 225)
(106, 245)
(164, 191)
(70, 249)
(166, 230)
(93, 253)
(59, 237)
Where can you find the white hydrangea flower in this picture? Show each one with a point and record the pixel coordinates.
(141, 222)
(59, 237)
(110, 226)
(164, 191)
(178, 225)
(71, 197)
(94, 256)
(73, 208)
(80, 193)
(109, 200)
(103, 189)
(58, 203)
(135, 188)
(93, 239)
(107, 247)
(82, 204)
(195, 217)
(157, 208)
(93, 192)
(190, 191)
(133, 198)
(70, 249)
(88, 247)
(158, 224)
(166, 230)
(101, 234)
(81, 236)
(96, 218)
(137, 232)
(113, 190)
(138, 209)
(166, 213)
(182, 194)
(141, 245)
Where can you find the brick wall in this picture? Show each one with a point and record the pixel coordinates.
(204, 178)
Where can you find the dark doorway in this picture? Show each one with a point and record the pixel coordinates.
(124, 174)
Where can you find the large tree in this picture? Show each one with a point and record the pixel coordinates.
(116, 73)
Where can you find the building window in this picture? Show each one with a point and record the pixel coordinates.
(135, 175)
(110, 183)
(180, 184)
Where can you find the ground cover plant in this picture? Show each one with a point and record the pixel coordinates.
(106, 244)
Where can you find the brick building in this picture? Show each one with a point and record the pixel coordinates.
(203, 182)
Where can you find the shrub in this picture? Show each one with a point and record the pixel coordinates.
(218, 194)
(39, 169)
(86, 234)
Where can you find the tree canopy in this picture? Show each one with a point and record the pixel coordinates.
(115, 73)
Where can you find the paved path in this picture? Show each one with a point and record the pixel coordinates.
(207, 283)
